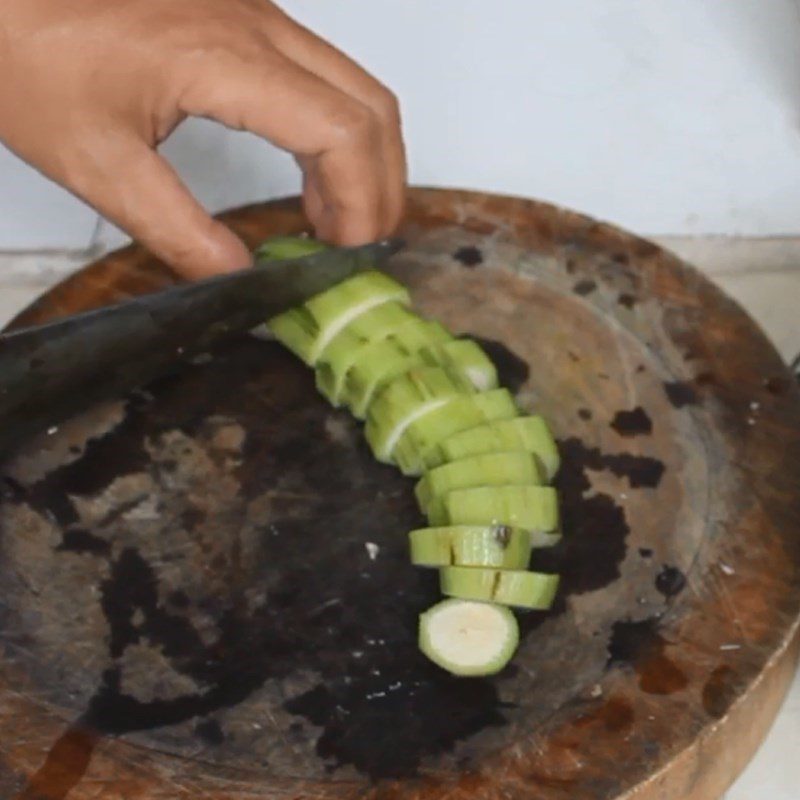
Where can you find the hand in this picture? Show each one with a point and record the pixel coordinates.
(89, 88)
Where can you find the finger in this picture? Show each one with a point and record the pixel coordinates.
(135, 188)
(313, 204)
(324, 60)
(298, 111)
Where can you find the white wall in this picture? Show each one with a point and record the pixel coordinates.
(666, 116)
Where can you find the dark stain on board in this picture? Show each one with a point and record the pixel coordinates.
(12, 490)
(719, 691)
(584, 561)
(634, 422)
(210, 732)
(627, 300)
(670, 581)
(89, 473)
(615, 715)
(64, 767)
(384, 728)
(584, 287)
(641, 646)
(639, 471)
(79, 540)
(179, 599)
(133, 587)
(680, 393)
(469, 256)
(777, 385)
(512, 371)
(704, 379)
(381, 705)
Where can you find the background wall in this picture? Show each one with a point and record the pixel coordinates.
(679, 117)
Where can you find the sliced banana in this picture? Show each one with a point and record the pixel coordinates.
(345, 348)
(487, 469)
(518, 588)
(467, 638)
(419, 441)
(471, 546)
(406, 399)
(324, 315)
(379, 363)
(531, 434)
(465, 357)
(534, 508)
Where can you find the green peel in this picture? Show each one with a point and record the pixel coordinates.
(417, 449)
(326, 314)
(517, 588)
(471, 546)
(405, 400)
(345, 348)
(488, 469)
(378, 363)
(530, 434)
(534, 508)
(296, 330)
(466, 358)
(280, 248)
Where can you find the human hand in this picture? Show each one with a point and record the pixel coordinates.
(89, 88)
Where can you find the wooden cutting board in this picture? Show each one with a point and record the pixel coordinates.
(190, 609)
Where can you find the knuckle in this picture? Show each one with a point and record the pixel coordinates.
(356, 123)
(387, 106)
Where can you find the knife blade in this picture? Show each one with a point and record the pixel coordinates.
(50, 372)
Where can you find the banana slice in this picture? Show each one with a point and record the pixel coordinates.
(284, 247)
(488, 469)
(471, 546)
(523, 433)
(518, 588)
(296, 330)
(345, 348)
(468, 638)
(379, 363)
(329, 312)
(465, 357)
(534, 508)
(419, 441)
(406, 399)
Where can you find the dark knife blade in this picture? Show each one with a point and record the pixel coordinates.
(49, 372)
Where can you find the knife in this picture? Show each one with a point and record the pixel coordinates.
(50, 372)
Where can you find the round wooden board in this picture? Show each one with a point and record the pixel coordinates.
(189, 607)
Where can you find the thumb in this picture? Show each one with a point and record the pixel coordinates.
(138, 190)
